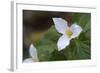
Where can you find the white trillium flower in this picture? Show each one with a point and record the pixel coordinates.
(33, 55)
(67, 32)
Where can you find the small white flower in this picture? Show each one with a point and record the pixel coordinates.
(33, 55)
(68, 32)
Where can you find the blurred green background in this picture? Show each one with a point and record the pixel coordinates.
(79, 48)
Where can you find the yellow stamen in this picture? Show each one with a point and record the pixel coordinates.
(69, 33)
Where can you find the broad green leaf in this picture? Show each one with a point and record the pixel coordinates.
(47, 44)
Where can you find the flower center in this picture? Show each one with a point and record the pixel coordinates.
(69, 33)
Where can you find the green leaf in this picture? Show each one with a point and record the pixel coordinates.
(57, 56)
(47, 44)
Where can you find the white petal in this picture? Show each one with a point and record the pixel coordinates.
(32, 51)
(28, 60)
(60, 25)
(63, 42)
(76, 29)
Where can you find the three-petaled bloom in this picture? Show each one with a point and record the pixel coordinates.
(33, 55)
(68, 32)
